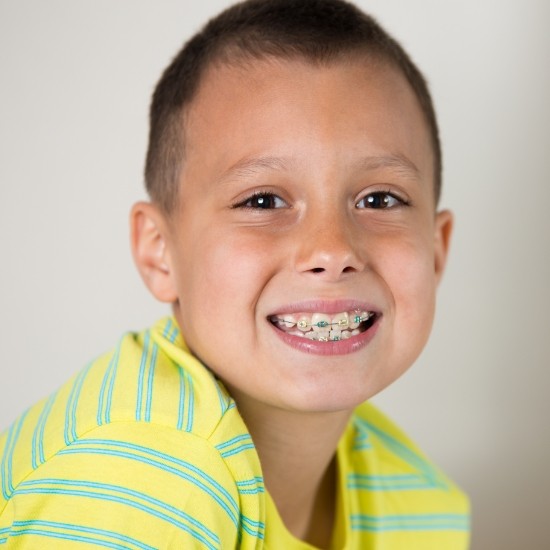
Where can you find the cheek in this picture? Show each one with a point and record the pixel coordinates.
(228, 271)
(218, 292)
(412, 282)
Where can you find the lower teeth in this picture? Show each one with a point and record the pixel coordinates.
(321, 337)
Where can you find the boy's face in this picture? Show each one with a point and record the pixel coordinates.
(306, 195)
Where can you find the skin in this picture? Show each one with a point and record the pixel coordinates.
(315, 142)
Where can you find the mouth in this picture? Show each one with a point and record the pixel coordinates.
(323, 327)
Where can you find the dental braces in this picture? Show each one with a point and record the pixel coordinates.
(341, 323)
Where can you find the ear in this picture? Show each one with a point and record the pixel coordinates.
(442, 238)
(149, 232)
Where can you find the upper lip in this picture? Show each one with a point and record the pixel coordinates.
(325, 306)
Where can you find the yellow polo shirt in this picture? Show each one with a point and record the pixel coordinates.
(145, 449)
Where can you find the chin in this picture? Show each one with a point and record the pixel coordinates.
(329, 397)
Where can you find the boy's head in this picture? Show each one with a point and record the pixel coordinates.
(294, 168)
(320, 32)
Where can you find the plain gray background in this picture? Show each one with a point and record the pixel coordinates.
(76, 77)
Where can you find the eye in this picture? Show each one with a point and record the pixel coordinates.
(380, 200)
(262, 201)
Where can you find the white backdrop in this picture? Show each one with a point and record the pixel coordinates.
(75, 81)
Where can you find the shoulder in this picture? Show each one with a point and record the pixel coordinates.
(370, 422)
(382, 439)
(143, 430)
(381, 460)
(139, 384)
(146, 483)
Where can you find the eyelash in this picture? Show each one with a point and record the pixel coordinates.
(267, 196)
(263, 195)
(387, 197)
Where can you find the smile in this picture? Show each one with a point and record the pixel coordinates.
(322, 327)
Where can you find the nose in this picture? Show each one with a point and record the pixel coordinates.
(329, 247)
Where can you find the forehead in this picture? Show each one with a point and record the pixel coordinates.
(305, 112)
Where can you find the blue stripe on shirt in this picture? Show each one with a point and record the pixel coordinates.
(167, 327)
(6, 466)
(237, 450)
(37, 457)
(121, 495)
(153, 454)
(404, 452)
(181, 405)
(190, 402)
(107, 383)
(53, 529)
(232, 441)
(389, 482)
(141, 375)
(253, 528)
(113, 368)
(149, 398)
(420, 522)
(72, 404)
(156, 464)
(4, 532)
(251, 486)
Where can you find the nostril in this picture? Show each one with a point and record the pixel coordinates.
(347, 269)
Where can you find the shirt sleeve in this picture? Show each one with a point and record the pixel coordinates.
(126, 485)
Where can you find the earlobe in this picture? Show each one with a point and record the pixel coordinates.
(442, 239)
(148, 232)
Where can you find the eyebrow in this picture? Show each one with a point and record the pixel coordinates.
(250, 166)
(397, 162)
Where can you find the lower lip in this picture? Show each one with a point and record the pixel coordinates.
(340, 347)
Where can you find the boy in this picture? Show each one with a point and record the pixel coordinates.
(294, 171)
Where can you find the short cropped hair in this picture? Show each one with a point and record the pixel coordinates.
(317, 31)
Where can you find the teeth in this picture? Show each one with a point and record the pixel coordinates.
(341, 320)
(320, 322)
(355, 319)
(323, 336)
(323, 327)
(288, 321)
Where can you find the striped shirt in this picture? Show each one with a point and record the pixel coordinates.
(144, 449)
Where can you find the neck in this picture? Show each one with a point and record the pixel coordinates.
(297, 453)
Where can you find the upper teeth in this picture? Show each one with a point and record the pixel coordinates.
(325, 327)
